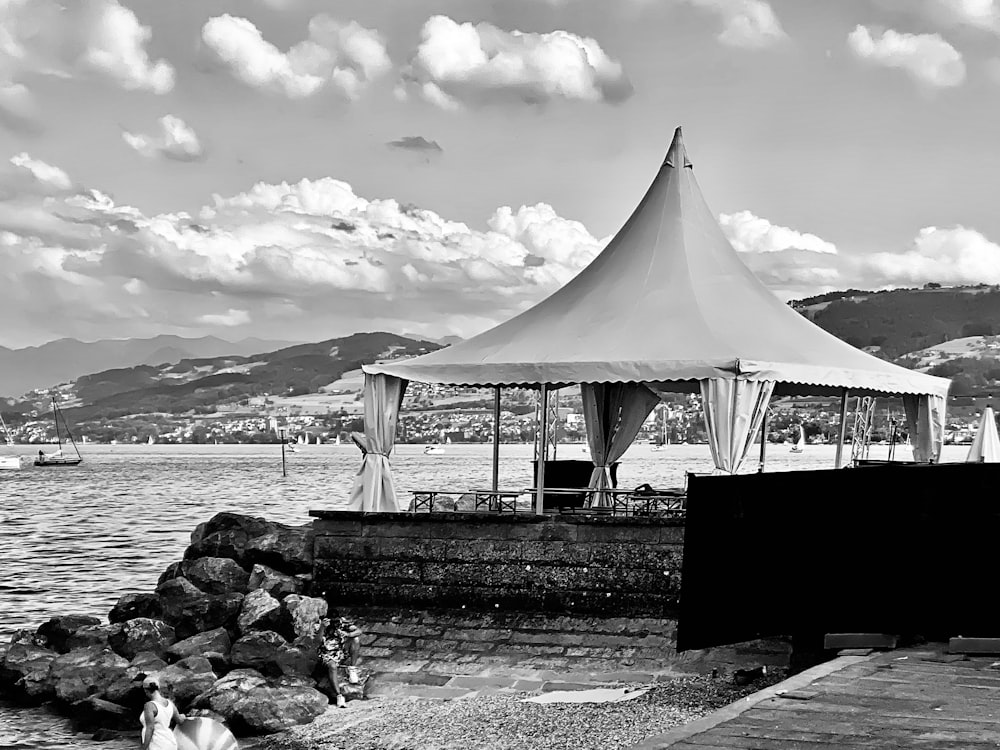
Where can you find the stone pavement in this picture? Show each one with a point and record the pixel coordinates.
(917, 697)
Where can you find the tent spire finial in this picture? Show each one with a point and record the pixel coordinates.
(677, 154)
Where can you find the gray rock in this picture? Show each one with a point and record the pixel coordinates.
(187, 679)
(302, 616)
(92, 635)
(212, 644)
(225, 535)
(285, 548)
(189, 610)
(216, 575)
(54, 632)
(86, 671)
(253, 704)
(267, 652)
(170, 572)
(24, 672)
(277, 584)
(93, 713)
(142, 634)
(259, 611)
(127, 689)
(130, 606)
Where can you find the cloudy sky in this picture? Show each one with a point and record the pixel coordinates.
(302, 169)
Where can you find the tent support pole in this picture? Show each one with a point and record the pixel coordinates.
(843, 428)
(496, 438)
(763, 442)
(543, 437)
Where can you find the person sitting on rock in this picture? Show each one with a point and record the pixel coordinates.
(341, 647)
(158, 718)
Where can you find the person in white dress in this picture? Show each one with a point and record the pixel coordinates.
(159, 715)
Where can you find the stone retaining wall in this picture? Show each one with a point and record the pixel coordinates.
(487, 562)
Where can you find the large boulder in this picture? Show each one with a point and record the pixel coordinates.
(93, 713)
(130, 606)
(277, 584)
(54, 632)
(142, 634)
(24, 672)
(302, 617)
(216, 575)
(170, 572)
(267, 652)
(92, 635)
(225, 535)
(190, 610)
(214, 645)
(127, 689)
(187, 679)
(86, 671)
(285, 548)
(253, 704)
(259, 611)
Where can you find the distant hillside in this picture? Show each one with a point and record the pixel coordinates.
(22, 370)
(202, 384)
(899, 321)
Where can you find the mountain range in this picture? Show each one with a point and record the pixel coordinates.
(63, 360)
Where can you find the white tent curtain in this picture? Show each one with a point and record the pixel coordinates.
(925, 422)
(614, 413)
(734, 410)
(373, 489)
(985, 446)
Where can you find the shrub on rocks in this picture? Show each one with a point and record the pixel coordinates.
(130, 606)
(85, 671)
(259, 611)
(254, 704)
(142, 634)
(189, 610)
(277, 584)
(55, 631)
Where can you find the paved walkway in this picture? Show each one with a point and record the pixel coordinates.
(907, 698)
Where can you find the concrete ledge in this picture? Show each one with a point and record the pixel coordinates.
(859, 640)
(974, 645)
(794, 683)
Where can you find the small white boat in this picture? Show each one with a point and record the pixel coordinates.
(10, 463)
(433, 450)
(800, 444)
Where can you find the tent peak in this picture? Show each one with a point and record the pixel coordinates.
(677, 154)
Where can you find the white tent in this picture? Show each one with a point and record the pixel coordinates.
(985, 446)
(668, 306)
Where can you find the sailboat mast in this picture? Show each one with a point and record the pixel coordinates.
(6, 433)
(55, 418)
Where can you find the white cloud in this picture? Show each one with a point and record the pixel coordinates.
(344, 56)
(17, 107)
(175, 140)
(927, 57)
(99, 37)
(462, 63)
(751, 24)
(947, 256)
(229, 319)
(45, 174)
(752, 234)
(979, 14)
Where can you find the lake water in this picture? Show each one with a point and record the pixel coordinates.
(72, 540)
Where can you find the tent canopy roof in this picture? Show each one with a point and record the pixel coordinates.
(667, 301)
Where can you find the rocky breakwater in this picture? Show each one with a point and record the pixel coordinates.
(231, 630)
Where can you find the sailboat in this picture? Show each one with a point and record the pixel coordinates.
(800, 444)
(150, 441)
(8, 463)
(57, 458)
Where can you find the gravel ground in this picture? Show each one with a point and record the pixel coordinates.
(503, 722)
